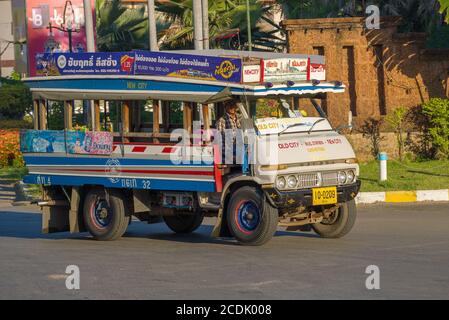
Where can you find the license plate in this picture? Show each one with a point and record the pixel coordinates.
(326, 195)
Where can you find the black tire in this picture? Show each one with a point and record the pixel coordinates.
(106, 221)
(184, 222)
(339, 225)
(251, 219)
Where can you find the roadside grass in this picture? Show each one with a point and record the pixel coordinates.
(407, 176)
(12, 173)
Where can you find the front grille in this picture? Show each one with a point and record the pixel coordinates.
(308, 180)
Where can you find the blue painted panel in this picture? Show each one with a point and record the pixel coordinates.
(131, 183)
(86, 160)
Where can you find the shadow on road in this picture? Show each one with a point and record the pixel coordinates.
(27, 225)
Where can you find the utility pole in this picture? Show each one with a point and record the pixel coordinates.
(90, 44)
(248, 25)
(152, 32)
(197, 25)
(205, 11)
(89, 26)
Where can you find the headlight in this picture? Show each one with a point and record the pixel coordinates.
(351, 176)
(292, 181)
(281, 183)
(341, 177)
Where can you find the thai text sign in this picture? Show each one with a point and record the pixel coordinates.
(277, 70)
(188, 66)
(55, 64)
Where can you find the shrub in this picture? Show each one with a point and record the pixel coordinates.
(437, 111)
(398, 122)
(16, 124)
(371, 129)
(10, 149)
(420, 143)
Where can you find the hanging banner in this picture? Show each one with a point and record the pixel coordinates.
(73, 142)
(62, 14)
(188, 66)
(90, 142)
(284, 69)
(104, 63)
(42, 141)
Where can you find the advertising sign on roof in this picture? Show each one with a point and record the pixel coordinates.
(188, 66)
(317, 71)
(104, 63)
(278, 70)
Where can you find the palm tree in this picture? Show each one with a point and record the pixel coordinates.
(227, 20)
(120, 28)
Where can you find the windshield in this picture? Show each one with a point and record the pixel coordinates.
(276, 116)
(275, 108)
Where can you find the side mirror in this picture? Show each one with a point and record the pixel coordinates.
(343, 126)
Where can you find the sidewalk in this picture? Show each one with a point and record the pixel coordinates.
(403, 196)
(7, 192)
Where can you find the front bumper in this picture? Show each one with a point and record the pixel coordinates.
(297, 198)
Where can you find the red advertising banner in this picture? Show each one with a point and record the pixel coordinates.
(45, 18)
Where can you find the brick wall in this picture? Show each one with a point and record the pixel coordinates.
(382, 69)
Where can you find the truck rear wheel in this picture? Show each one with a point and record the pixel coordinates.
(339, 223)
(106, 220)
(251, 219)
(184, 222)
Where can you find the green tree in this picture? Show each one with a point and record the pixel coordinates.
(15, 99)
(120, 28)
(225, 17)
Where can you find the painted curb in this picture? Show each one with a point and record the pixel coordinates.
(402, 196)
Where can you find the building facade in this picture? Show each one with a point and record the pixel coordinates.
(382, 69)
(7, 62)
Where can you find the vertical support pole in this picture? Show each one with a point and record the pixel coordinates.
(125, 116)
(137, 116)
(187, 117)
(42, 115)
(68, 116)
(206, 121)
(36, 114)
(156, 117)
(97, 124)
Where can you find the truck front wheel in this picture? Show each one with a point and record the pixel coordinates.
(251, 219)
(106, 217)
(338, 223)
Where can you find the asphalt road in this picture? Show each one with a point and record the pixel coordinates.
(409, 244)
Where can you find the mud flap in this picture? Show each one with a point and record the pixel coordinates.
(221, 228)
(75, 213)
(55, 219)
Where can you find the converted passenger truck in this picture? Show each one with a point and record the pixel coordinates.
(149, 148)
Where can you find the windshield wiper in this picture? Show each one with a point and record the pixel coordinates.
(291, 126)
(313, 125)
